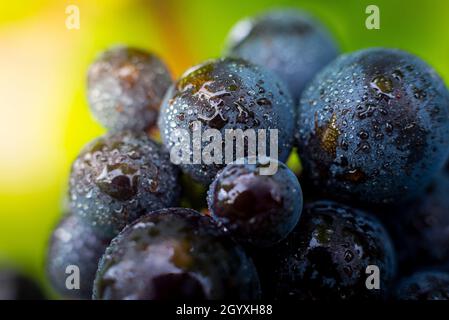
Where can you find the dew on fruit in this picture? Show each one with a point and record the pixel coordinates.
(329, 135)
(383, 85)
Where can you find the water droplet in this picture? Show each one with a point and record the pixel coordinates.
(118, 181)
(134, 154)
(344, 145)
(419, 93)
(379, 136)
(364, 147)
(263, 102)
(353, 175)
(89, 194)
(398, 75)
(349, 255)
(383, 85)
(363, 134)
(154, 185)
(348, 270)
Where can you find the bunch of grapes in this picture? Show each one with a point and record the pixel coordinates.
(153, 219)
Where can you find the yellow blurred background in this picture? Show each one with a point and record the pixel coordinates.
(44, 117)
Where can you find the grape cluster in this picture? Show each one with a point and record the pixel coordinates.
(371, 129)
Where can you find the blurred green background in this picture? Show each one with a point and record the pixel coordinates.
(44, 118)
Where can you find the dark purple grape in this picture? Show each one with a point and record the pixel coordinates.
(225, 95)
(257, 209)
(289, 42)
(119, 177)
(327, 255)
(175, 254)
(373, 127)
(74, 243)
(125, 88)
(420, 228)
